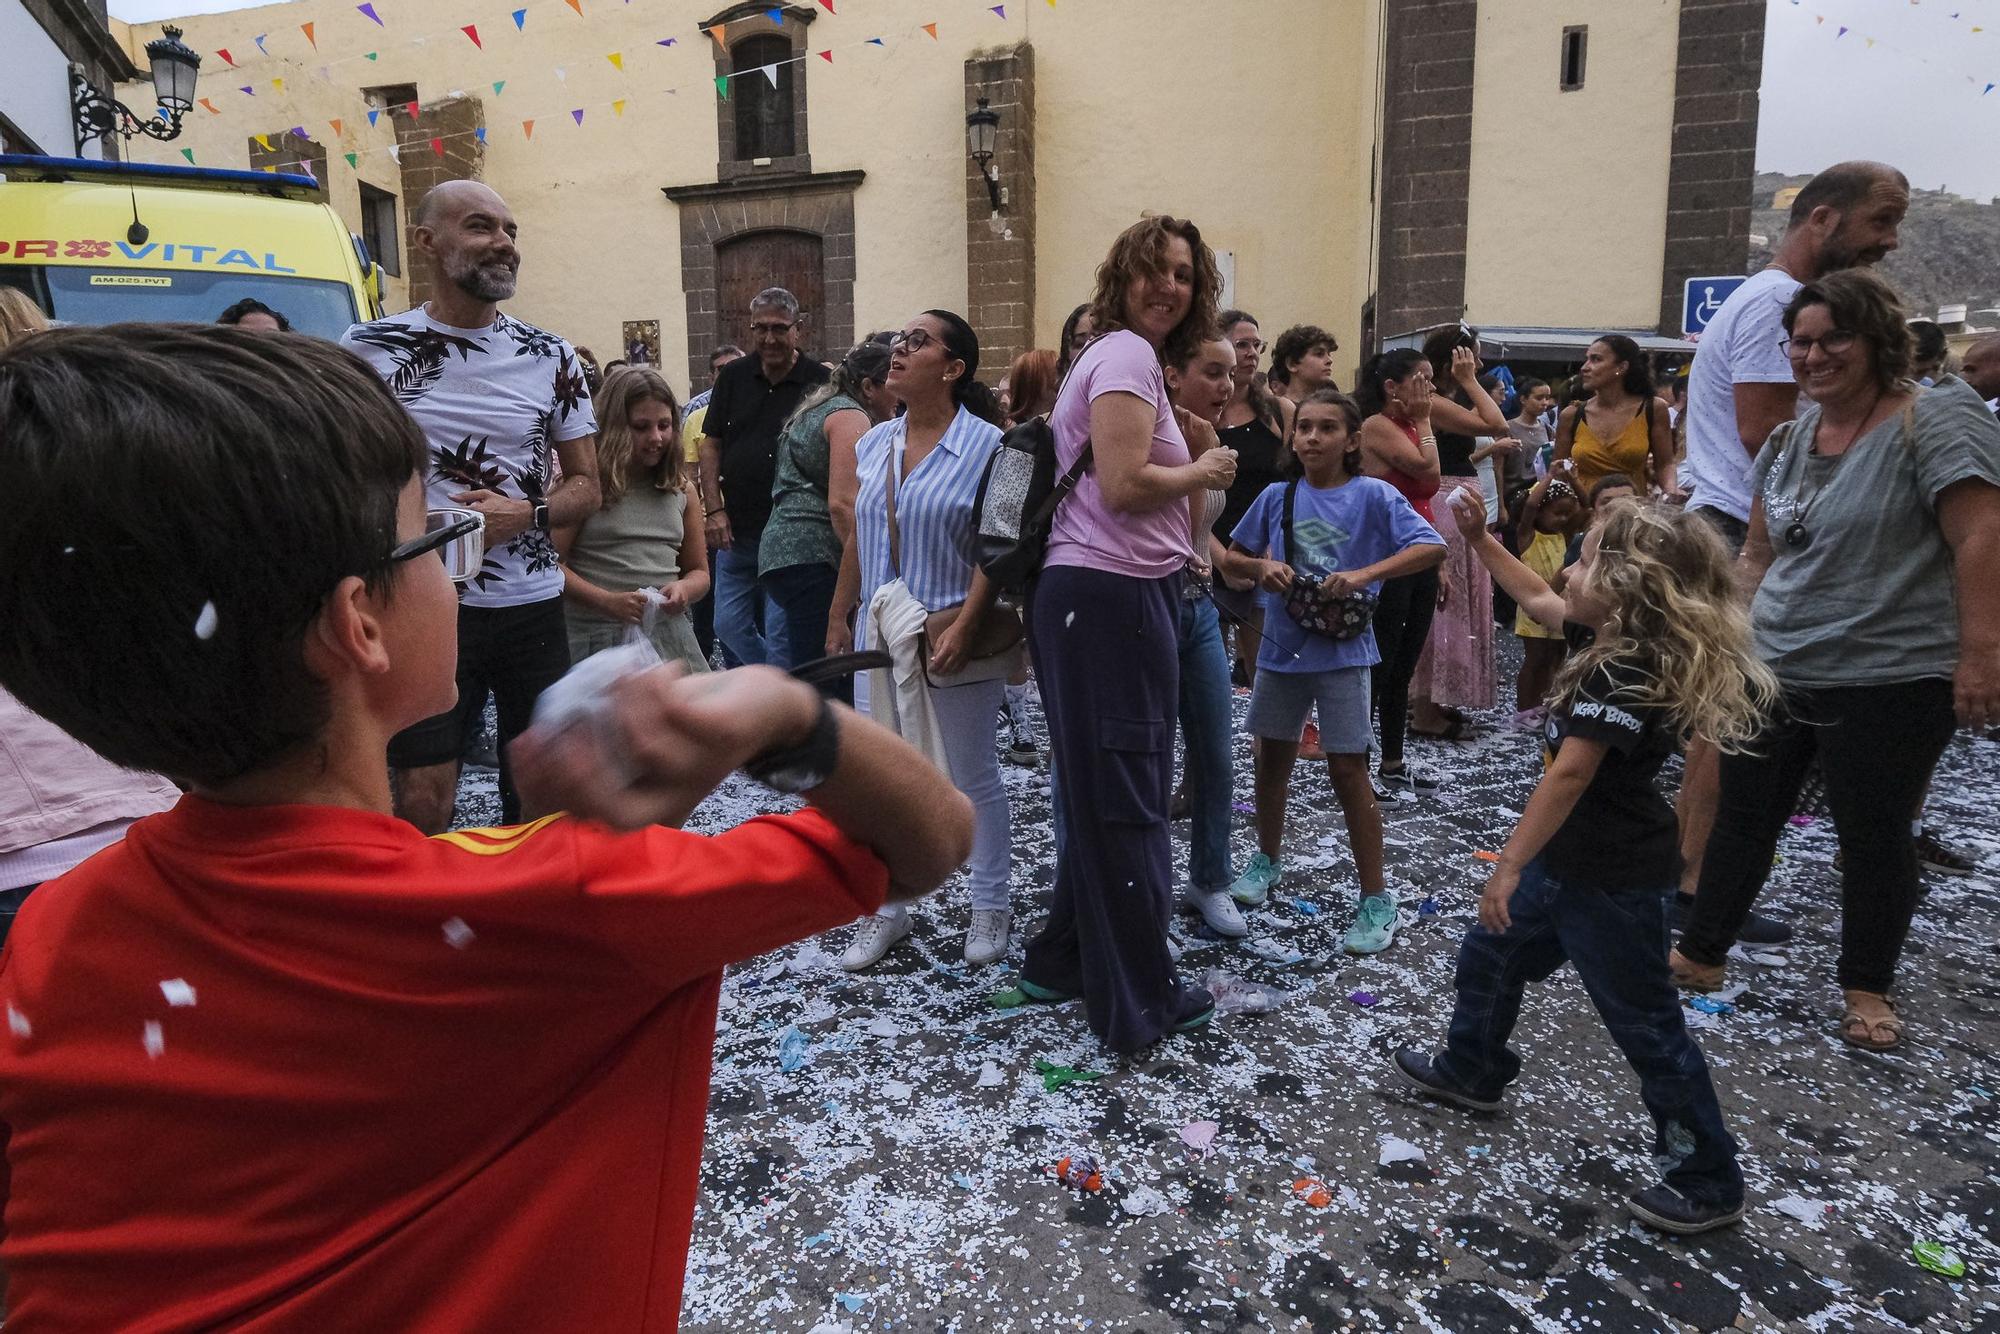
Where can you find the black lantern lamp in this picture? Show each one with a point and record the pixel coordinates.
(175, 67)
(982, 129)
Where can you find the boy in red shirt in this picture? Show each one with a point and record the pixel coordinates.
(277, 1061)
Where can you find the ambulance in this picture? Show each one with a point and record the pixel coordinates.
(104, 242)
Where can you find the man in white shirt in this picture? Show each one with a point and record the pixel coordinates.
(1981, 369)
(494, 397)
(1742, 386)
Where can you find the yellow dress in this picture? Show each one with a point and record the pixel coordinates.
(1630, 453)
(1545, 557)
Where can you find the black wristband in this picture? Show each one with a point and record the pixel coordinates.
(803, 767)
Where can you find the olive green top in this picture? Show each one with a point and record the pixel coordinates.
(634, 544)
(800, 530)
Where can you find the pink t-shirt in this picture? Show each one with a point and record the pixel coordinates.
(1087, 532)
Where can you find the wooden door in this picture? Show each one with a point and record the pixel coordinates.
(745, 265)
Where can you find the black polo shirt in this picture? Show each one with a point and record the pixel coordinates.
(745, 413)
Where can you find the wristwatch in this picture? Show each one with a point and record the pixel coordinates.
(803, 767)
(541, 516)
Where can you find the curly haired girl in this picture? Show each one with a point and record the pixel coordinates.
(1659, 649)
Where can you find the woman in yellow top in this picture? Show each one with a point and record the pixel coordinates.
(1620, 428)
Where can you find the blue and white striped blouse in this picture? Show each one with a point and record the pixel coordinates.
(933, 509)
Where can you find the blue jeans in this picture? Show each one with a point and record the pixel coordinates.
(801, 597)
(1618, 941)
(1204, 715)
(751, 628)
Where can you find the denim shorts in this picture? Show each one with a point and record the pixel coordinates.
(1281, 702)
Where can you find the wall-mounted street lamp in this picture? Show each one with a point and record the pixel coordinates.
(175, 67)
(982, 129)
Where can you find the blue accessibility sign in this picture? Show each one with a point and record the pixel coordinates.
(1702, 297)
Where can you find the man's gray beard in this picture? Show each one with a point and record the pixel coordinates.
(490, 282)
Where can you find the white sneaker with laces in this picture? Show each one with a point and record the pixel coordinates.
(987, 940)
(873, 938)
(1218, 910)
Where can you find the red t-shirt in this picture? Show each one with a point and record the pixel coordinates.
(300, 1067)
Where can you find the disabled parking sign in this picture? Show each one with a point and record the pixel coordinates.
(1702, 297)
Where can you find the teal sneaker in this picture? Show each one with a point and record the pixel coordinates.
(1374, 925)
(1255, 884)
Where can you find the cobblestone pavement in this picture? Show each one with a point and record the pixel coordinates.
(901, 1177)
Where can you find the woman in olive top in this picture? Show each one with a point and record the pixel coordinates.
(638, 554)
(812, 499)
(1621, 427)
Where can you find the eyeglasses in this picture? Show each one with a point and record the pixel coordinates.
(770, 329)
(1249, 345)
(911, 340)
(1833, 344)
(457, 535)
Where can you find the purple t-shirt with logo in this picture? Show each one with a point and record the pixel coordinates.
(1086, 531)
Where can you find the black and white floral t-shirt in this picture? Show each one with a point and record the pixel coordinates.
(493, 403)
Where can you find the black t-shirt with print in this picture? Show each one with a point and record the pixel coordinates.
(746, 413)
(1622, 833)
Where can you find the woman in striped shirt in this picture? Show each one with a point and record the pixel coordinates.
(926, 466)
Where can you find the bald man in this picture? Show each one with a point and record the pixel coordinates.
(1980, 368)
(494, 396)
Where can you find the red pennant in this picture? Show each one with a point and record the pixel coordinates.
(827, 56)
(828, 4)
(437, 146)
(227, 59)
(472, 30)
(413, 109)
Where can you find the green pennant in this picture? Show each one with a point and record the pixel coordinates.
(498, 85)
(373, 54)
(353, 160)
(722, 86)
(188, 153)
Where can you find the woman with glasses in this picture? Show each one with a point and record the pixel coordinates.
(1254, 424)
(637, 562)
(1874, 535)
(917, 478)
(1104, 628)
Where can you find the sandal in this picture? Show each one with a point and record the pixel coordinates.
(1880, 1032)
(1455, 729)
(1691, 976)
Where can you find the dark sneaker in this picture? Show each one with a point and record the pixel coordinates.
(1665, 1208)
(1204, 1011)
(1933, 854)
(1757, 928)
(1415, 1069)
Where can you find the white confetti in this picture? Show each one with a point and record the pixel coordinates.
(1144, 1202)
(885, 1027)
(1399, 1151)
(990, 1076)
(153, 1039)
(1810, 1212)
(18, 1023)
(177, 991)
(895, 1090)
(204, 624)
(456, 933)
(1069, 620)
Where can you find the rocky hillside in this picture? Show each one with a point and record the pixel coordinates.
(1950, 251)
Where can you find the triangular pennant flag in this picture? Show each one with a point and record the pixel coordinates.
(1842, 33)
(299, 132)
(188, 153)
(278, 84)
(212, 107)
(326, 74)
(617, 59)
(472, 30)
(396, 153)
(931, 28)
(307, 29)
(520, 19)
(666, 41)
(353, 161)
(336, 122)
(1001, 10)
(722, 86)
(776, 16)
(414, 110)
(224, 53)
(828, 4)
(577, 5)
(248, 89)
(562, 75)
(498, 84)
(577, 115)
(259, 39)
(1870, 41)
(1987, 89)
(480, 134)
(618, 107)
(770, 72)
(875, 41)
(372, 55)
(715, 32)
(437, 146)
(827, 56)
(374, 114)
(263, 142)
(527, 129)
(367, 11)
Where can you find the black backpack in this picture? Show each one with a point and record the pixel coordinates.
(1017, 499)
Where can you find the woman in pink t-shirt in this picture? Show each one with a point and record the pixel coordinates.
(1104, 626)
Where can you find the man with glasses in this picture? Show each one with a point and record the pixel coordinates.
(494, 398)
(752, 399)
(1742, 386)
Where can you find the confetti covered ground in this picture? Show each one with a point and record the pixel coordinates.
(902, 1175)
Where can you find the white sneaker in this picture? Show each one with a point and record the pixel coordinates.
(1218, 910)
(873, 939)
(987, 940)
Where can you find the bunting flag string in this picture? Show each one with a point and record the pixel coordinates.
(1984, 86)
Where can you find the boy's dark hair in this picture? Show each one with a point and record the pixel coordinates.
(1609, 482)
(250, 305)
(183, 498)
(1294, 343)
(1288, 464)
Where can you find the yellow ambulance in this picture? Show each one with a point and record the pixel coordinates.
(102, 242)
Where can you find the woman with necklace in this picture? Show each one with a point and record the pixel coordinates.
(1622, 427)
(1867, 514)
(1254, 423)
